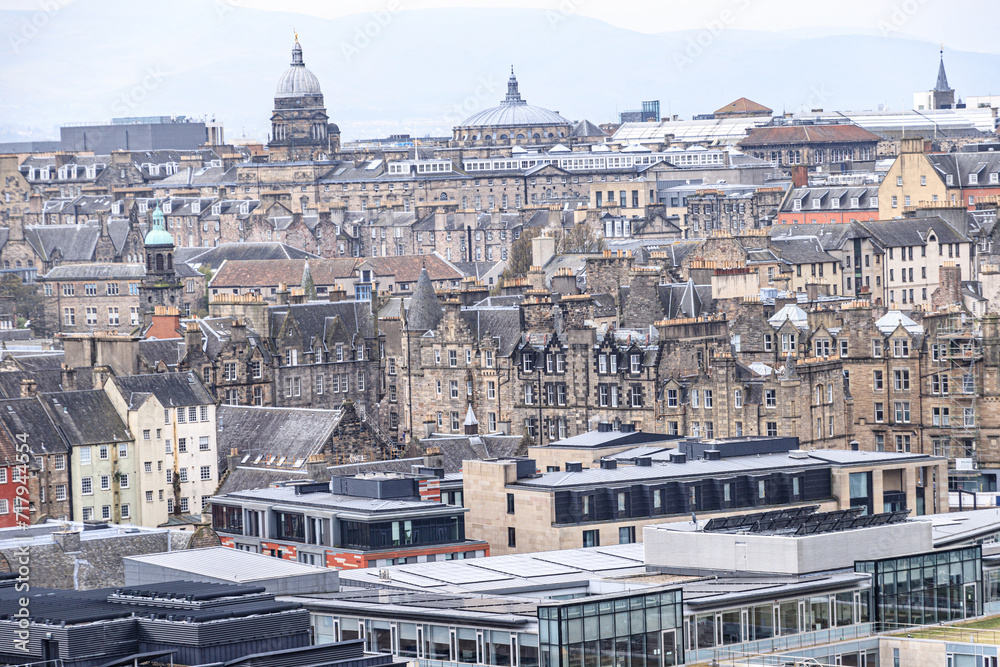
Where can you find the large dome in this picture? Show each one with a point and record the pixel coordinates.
(513, 111)
(157, 235)
(297, 80)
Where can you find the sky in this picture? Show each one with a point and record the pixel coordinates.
(945, 21)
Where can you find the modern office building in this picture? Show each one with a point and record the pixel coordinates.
(140, 134)
(349, 522)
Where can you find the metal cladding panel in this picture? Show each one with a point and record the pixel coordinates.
(346, 654)
(212, 653)
(104, 640)
(226, 631)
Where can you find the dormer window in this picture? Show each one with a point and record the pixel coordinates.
(196, 206)
(949, 179)
(244, 208)
(835, 203)
(994, 178)
(63, 173)
(143, 206)
(116, 208)
(855, 202)
(92, 171)
(216, 209)
(167, 207)
(973, 179)
(817, 202)
(874, 201)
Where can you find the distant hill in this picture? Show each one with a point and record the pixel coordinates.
(422, 71)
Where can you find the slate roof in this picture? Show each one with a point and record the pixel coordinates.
(777, 135)
(27, 416)
(912, 232)
(244, 251)
(585, 128)
(685, 299)
(38, 362)
(425, 311)
(170, 389)
(86, 417)
(503, 323)
(292, 433)
(154, 350)
(831, 236)
(960, 165)
(456, 449)
(96, 271)
(801, 250)
(314, 318)
(244, 478)
(48, 379)
(75, 242)
(822, 199)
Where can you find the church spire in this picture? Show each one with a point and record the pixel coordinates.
(942, 78)
(297, 51)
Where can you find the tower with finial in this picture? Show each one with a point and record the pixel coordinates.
(944, 95)
(300, 127)
(161, 286)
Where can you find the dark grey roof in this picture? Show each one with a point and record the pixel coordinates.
(27, 417)
(39, 361)
(86, 417)
(685, 299)
(831, 236)
(74, 242)
(585, 128)
(96, 271)
(502, 323)
(170, 389)
(316, 317)
(913, 232)
(801, 250)
(250, 477)
(154, 350)
(292, 433)
(425, 310)
(245, 251)
(456, 449)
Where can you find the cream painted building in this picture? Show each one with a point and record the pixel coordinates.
(173, 419)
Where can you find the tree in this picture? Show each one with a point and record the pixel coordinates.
(28, 303)
(580, 238)
(519, 261)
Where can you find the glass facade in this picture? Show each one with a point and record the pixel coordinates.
(633, 631)
(767, 620)
(927, 588)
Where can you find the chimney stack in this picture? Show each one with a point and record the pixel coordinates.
(29, 388)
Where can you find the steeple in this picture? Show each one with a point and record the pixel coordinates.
(513, 95)
(942, 78)
(425, 310)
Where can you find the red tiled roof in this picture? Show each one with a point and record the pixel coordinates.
(260, 273)
(743, 105)
(807, 134)
(406, 268)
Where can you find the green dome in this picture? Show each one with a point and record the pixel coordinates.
(158, 235)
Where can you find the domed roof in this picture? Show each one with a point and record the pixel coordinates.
(297, 80)
(157, 235)
(513, 111)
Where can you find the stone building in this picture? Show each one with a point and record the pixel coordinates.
(821, 147)
(300, 128)
(81, 298)
(513, 122)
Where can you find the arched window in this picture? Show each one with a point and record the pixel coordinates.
(444, 196)
(17, 264)
(503, 136)
(159, 261)
(520, 136)
(31, 264)
(149, 261)
(536, 136)
(6, 264)
(170, 261)
(551, 136)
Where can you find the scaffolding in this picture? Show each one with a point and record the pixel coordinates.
(956, 352)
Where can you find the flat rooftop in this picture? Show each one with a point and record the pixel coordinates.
(286, 495)
(229, 564)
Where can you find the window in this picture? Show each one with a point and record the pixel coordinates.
(902, 412)
(900, 347)
(206, 472)
(635, 364)
(876, 347)
(510, 503)
(877, 380)
(511, 538)
(708, 399)
(123, 480)
(126, 511)
(87, 486)
(772, 429)
(103, 453)
(738, 398)
(843, 348)
(84, 455)
(203, 443)
(626, 535)
(454, 388)
(901, 380)
(60, 461)
(671, 398)
(879, 412)
(770, 398)
(60, 492)
(452, 358)
(591, 538)
(454, 421)
(182, 445)
(768, 342)
(902, 443)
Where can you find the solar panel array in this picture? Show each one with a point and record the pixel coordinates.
(804, 521)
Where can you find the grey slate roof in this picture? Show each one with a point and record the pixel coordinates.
(456, 449)
(27, 416)
(316, 317)
(802, 250)
(425, 310)
(685, 299)
(294, 433)
(96, 271)
(75, 242)
(913, 232)
(86, 417)
(153, 350)
(502, 323)
(170, 389)
(246, 251)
